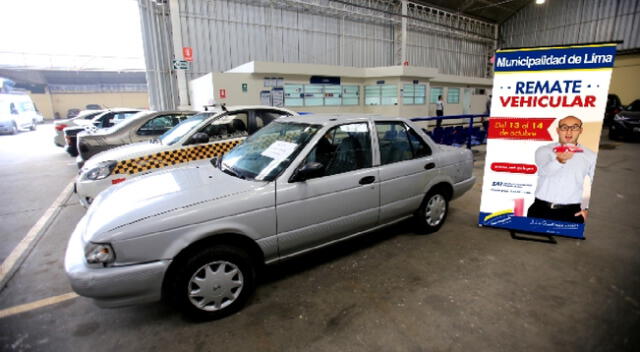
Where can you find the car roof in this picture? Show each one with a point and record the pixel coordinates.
(323, 119)
(217, 108)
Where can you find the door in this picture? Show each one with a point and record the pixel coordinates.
(341, 200)
(406, 167)
(466, 101)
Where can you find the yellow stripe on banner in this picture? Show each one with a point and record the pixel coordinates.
(555, 47)
(498, 213)
(555, 71)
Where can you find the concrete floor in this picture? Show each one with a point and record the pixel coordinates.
(463, 288)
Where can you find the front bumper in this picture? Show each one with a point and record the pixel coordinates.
(629, 129)
(113, 286)
(88, 190)
(6, 127)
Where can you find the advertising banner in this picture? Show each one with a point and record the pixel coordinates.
(547, 110)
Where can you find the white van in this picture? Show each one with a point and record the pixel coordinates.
(17, 112)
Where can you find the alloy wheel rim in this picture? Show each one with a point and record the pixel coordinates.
(435, 210)
(215, 286)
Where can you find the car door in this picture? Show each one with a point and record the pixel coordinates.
(343, 199)
(406, 166)
(156, 126)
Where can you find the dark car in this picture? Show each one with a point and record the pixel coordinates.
(105, 120)
(614, 106)
(626, 124)
(71, 113)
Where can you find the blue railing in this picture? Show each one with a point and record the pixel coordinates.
(468, 133)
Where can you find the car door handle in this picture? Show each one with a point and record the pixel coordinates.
(429, 166)
(367, 180)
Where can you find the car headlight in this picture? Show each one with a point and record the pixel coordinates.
(101, 171)
(620, 118)
(99, 253)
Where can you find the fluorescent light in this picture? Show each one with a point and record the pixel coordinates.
(539, 2)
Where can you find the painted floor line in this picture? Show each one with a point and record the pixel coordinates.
(37, 304)
(9, 263)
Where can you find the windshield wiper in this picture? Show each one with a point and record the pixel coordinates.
(230, 171)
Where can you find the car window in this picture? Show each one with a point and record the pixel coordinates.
(398, 142)
(159, 125)
(635, 106)
(265, 154)
(342, 149)
(232, 125)
(111, 119)
(175, 134)
(14, 111)
(263, 117)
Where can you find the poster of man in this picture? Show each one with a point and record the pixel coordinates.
(562, 169)
(544, 131)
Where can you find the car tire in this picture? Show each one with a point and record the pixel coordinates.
(14, 128)
(433, 211)
(226, 269)
(33, 125)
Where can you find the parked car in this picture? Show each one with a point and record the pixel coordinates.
(205, 135)
(93, 107)
(197, 235)
(73, 112)
(626, 124)
(143, 126)
(106, 119)
(17, 112)
(60, 125)
(614, 106)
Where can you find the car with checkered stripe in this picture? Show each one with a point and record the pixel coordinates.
(203, 136)
(141, 127)
(197, 235)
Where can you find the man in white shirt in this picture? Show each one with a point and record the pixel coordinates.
(562, 168)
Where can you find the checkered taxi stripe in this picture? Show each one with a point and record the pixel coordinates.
(174, 157)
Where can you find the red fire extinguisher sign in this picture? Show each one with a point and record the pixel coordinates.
(187, 53)
(222, 93)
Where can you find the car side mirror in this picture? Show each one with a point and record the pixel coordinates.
(307, 171)
(198, 138)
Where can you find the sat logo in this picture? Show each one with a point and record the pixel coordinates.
(496, 183)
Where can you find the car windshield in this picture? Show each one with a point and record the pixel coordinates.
(175, 134)
(265, 154)
(128, 121)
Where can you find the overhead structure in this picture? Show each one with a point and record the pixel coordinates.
(366, 33)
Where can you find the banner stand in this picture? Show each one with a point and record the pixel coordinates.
(533, 236)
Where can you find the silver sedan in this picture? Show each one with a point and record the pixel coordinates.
(142, 127)
(197, 235)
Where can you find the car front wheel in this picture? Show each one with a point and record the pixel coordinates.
(33, 125)
(214, 283)
(433, 211)
(14, 128)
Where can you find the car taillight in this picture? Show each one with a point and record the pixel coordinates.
(615, 111)
(61, 127)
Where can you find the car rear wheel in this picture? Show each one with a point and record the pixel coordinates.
(433, 211)
(33, 125)
(14, 128)
(214, 282)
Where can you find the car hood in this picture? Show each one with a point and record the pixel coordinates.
(151, 201)
(124, 152)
